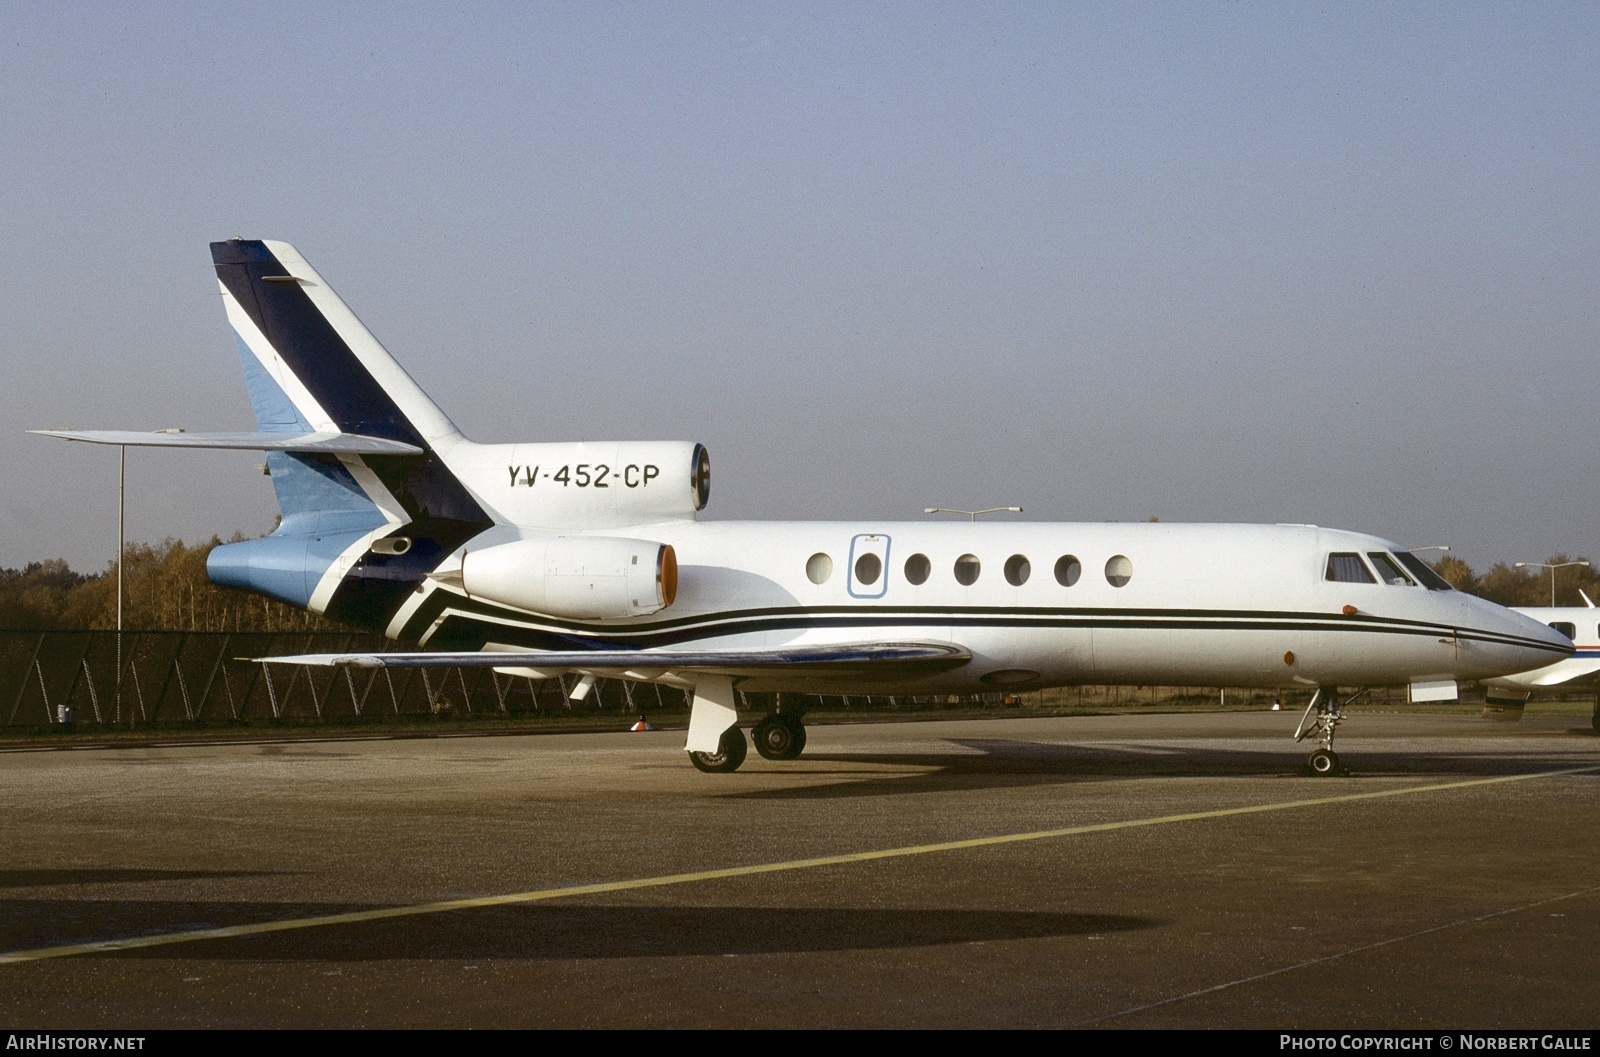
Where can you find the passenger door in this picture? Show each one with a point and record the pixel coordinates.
(869, 566)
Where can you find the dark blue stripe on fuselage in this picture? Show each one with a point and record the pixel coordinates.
(469, 630)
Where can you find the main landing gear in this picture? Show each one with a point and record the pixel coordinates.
(780, 736)
(1322, 717)
(730, 753)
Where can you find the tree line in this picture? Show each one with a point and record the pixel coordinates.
(166, 589)
(1509, 585)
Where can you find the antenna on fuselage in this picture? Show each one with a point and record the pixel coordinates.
(972, 515)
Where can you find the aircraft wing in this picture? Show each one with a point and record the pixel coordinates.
(861, 657)
(1569, 670)
(1581, 669)
(335, 443)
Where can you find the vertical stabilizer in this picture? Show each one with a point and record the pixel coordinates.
(329, 367)
(311, 365)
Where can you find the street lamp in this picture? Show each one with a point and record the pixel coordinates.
(1434, 547)
(1552, 568)
(972, 515)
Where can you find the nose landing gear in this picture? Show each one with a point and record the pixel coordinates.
(1322, 717)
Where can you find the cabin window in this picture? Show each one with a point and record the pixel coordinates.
(868, 568)
(1068, 569)
(1017, 570)
(917, 569)
(819, 568)
(1423, 572)
(1569, 630)
(1388, 571)
(1348, 569)
(1119, 570)
(967, 569)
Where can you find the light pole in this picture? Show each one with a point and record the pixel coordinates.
(972, 515)
(1552, 568)
(122, 491)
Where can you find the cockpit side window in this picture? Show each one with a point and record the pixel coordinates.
(1421, 570)
(1388, 571)
(1569, 630)
(1348, 569)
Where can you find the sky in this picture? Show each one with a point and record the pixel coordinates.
(1332, 264)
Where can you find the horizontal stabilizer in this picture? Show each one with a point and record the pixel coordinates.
(868, 657)
(332, 443)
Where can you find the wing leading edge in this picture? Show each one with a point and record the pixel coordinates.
(863, 657)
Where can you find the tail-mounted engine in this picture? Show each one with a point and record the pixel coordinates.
(578, 577)
(589, 484)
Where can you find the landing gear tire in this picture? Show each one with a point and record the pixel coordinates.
(779, 737)
(1324, 763)
(730, 753)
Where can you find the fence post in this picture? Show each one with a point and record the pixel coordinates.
(94, 698)
(23, 689)
(212, 678)
(272, 695)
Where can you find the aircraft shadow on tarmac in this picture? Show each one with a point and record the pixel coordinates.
(534, 932)
(1000, 763)
(45, 878)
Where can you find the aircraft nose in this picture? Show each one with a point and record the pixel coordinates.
(1521, 643)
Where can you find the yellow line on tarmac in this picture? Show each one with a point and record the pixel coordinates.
(542, 895)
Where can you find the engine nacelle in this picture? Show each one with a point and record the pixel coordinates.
(581, 577)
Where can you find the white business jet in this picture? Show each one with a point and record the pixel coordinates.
(588, 558)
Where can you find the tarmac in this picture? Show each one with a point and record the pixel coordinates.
(1126, 871)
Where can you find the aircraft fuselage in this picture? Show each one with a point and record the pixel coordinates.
(1046, 604)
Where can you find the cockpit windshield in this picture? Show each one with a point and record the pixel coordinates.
(1388, 571)
(1424, 574)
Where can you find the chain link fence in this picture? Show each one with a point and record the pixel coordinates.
(50, 679)
(171, 678)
